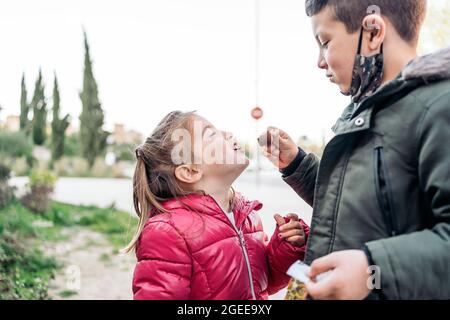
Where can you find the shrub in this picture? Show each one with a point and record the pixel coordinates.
(6, 192)
(100, 169)
(41, 184)
(15, 144)
(5, 173)
(72, 145)
(42, 178)
(24, 272)
(124, 152)
(19, 166)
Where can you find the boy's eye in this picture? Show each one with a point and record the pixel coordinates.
(325, 45)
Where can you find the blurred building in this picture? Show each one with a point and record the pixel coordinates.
(12, 123)
(122, 136)
(71, 130)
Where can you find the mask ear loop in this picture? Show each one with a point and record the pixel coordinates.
(360, 41)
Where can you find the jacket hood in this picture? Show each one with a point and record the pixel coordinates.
(429, 68)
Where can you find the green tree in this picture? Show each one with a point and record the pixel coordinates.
(92, 135)
(39, 106)
(24, 108)
(59, 126)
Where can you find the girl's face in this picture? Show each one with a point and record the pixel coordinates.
(217, 151)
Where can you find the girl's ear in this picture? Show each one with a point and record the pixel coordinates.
(188, 173)
(374, 28)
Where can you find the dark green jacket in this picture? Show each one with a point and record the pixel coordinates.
(384, 182)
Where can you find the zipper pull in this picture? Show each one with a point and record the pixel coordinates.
(241, 238)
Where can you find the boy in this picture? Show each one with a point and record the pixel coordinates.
(381, 192)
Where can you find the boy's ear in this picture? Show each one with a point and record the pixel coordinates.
(188, 173)
(374, 34)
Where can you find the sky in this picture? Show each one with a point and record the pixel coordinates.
(154, 56)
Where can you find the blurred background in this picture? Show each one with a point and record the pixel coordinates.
(82, 83)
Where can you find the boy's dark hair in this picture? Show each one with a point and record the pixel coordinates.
(406, 15)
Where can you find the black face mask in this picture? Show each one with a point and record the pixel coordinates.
(367, 74)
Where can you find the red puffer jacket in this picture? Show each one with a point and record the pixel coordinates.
(195, 253)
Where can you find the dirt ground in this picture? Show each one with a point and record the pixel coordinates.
(91, 269)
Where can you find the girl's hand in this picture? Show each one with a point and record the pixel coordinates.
(291, 231)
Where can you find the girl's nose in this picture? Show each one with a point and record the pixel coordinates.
(228, 135)
(321, 63)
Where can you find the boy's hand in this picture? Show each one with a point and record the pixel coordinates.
(291, 231)
(348, 279)
(278, 147)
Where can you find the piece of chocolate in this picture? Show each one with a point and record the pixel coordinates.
(265, 140)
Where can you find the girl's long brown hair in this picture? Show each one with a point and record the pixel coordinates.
(154, 177)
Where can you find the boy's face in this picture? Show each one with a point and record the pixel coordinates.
(337, 47)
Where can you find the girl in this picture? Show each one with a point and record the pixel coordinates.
(197, 238)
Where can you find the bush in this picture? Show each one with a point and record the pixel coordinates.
(41, 184)
(100, 169)
(72, 146)
(6, 192)
(79, 167)
(5, 173)
(15, 145)
(24, 273)
(71, 167)
(124, 152)
(20, 167)
(42, 178)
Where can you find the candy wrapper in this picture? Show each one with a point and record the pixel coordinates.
(297, 286)
(296, 291)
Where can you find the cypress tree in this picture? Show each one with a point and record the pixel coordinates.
(59, 126)
(92, 136)
(24, 108)
(39, 106)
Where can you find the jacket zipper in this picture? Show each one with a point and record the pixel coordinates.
(243, 246)
(247, 260)
(384, 192)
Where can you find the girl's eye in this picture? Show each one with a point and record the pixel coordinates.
(210, 133)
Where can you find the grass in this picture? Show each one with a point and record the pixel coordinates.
(105, 259)
(67, 293)
(118, 226)
(25, 271)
